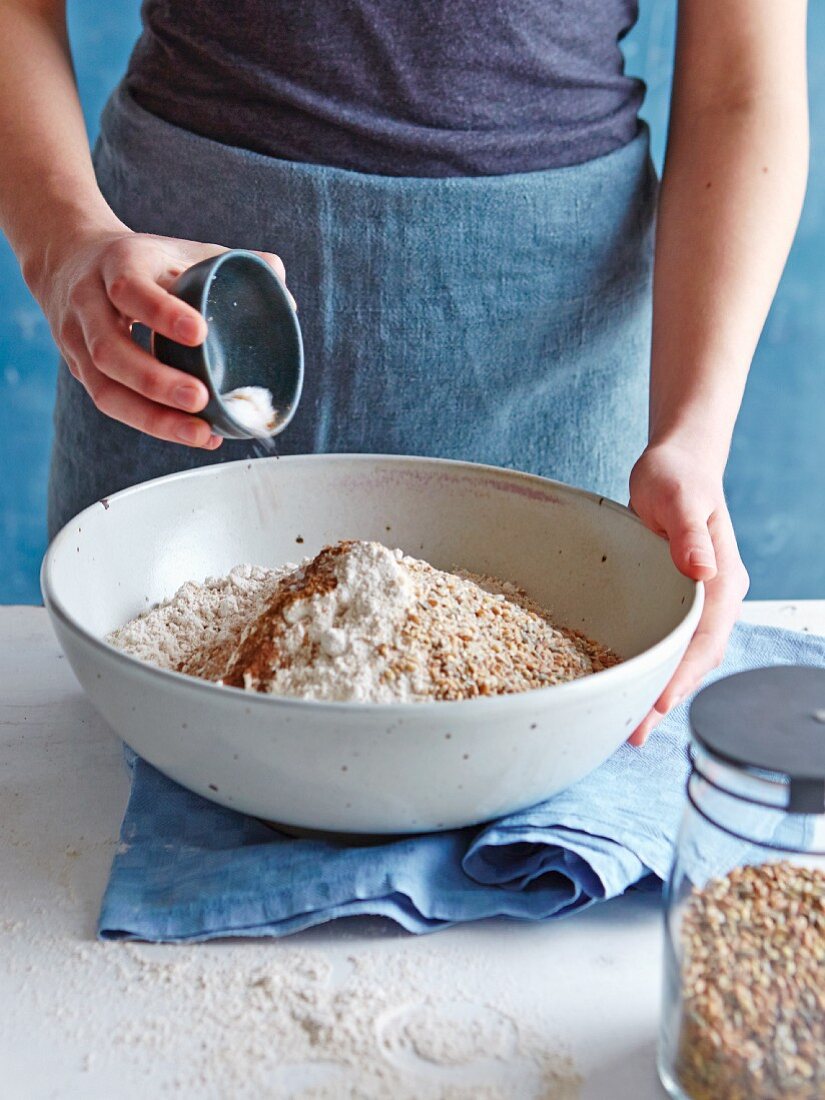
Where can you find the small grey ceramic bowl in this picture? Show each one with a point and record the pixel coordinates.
(253, 338)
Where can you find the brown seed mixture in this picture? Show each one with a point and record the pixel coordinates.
(240, 662)
(753, 986)
(488, 638)
(454, 636)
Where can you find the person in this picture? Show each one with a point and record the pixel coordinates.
(463, 196)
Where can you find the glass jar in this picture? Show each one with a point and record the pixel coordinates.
(744, 976)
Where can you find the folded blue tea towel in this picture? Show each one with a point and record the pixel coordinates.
(187, 869)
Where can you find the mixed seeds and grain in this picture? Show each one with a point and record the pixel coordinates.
(360, 622)
(753, 986)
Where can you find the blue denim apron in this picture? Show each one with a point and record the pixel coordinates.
(499, 319)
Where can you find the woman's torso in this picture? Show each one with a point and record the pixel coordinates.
(433, 88)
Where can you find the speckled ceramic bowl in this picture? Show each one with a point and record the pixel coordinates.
(365, 768)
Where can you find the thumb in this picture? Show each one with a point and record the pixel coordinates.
(277, 264)
(691, 546)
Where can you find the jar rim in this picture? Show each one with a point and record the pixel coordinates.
(769, 719)
(773, 786)
(779, 808)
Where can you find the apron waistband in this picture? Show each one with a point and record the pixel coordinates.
(130, 135)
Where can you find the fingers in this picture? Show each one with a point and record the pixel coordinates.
(128, 280)
(130, 408)
(275, 262)
(137, 285)
(704, 653)
(685, 523)
(138, 297)
(123, 404)
(691, 547)
(127, 383)
(278, 264)
(643, 730)
(114, 354)
(672, 499)
(723, 601)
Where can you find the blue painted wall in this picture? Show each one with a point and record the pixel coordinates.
(776, 479)
(102, 33)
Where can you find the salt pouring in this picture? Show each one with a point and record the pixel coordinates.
(252, 360)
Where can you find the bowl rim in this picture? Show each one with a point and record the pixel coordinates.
(613, 677)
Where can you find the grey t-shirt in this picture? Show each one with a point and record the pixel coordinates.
(395, 87)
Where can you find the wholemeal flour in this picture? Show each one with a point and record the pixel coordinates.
(363, 623)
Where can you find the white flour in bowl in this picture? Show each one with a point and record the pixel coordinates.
(198, 615)
(363, 623)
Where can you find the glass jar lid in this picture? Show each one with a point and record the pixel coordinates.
(769, 720)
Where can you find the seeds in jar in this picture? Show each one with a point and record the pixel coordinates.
(753, 986)
(361, 622)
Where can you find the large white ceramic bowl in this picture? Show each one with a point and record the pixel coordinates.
(368, 768)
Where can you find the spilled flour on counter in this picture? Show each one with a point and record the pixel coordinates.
(295, 1023)
(362, 623)
(354, 1011)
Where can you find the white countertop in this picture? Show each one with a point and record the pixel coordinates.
(565, 1009)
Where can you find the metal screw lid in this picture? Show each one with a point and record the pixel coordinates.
(773, 720)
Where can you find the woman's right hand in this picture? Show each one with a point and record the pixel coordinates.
(93, 290)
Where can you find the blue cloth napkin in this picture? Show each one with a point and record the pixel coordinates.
(187, 869)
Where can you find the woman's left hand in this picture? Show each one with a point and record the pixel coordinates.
(680, 497)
